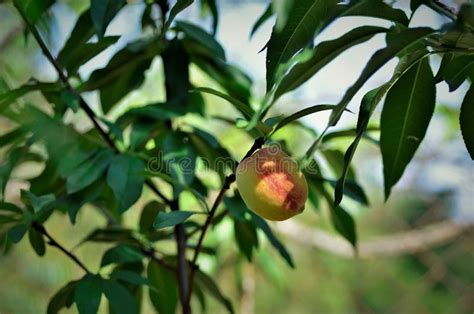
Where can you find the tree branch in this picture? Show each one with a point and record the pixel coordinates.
(406, 242)
(82, 103)
(227, 182)
(54, 243)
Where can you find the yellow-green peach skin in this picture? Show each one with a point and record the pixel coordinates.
(272, 185)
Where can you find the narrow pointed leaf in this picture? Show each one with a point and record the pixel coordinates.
(305, 19)
(403, 40)
(466, 119)
(102, 13)
(300, 114)
(179, 6)
(323, 54)
(262, 19)
(405, 117)
(171, 219)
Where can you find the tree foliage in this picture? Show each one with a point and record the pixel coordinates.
(111, 165)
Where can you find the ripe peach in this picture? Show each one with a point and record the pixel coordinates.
(271, 184)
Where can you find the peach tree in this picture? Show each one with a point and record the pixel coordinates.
(152, 151)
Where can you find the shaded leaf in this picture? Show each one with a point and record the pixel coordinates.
(125, 177)
(176, 67)
(16, 233)
(81, 55)
(344, 224)
(263, 225)
(33, 9)
(11, 96)
(262, 19)
(120, 299)
(149, 213)
(37, 241)
(375, 8)
(87, 294)
(89, 171)
(302, 113)
(246, 236)
(102, 13)
(198, 34)
(179, 6)
(164, 295)
(465, 119)
(171, 219)
(130, 277)
(208, 283)
(121, 254)
(63, 298)
(458, 71)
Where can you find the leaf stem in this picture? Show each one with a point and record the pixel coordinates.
(54, 243)
(227, 182)
(82, 103)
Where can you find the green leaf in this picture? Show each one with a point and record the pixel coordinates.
(246, 236)
(11, 96)
(149, 213)
(465, 119)
(9, 207)
(208, 283)
(305, 19)
(37, 202)
(102, 13)
(368, 104)
(458, 71)
(400, 42)
(63, 298)
(212, 6)
(171, 219)
(375, 8)
(16, 233)
(179, 6)
(344, 224)
(263, 225)
(231, 78)
(300, 114)
(198, 34)
(262, 19)
(110, 234)
(89, 171)
(121, 254)
(33, 9)
(37, 241)
(353, 190)
(125, 177)
(87, 294)
(81, 33)
(245, 109)
(405, 117)
(164, 295)
(323, 54)
(124, 72)
(176, 67)
(120, 299)
(180, 157)
(130, 277)
(87, 51)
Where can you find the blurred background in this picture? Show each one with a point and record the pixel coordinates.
(417, 249)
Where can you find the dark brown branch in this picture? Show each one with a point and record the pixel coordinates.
(227, 182)
(82, 103)
(182, 264)
(54, 243)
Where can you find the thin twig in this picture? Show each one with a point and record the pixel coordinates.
(54, 243)
(227, 182)
(82, 103)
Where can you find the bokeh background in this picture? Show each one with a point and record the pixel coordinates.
(419, 245)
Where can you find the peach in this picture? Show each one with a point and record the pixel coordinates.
(271, 184)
